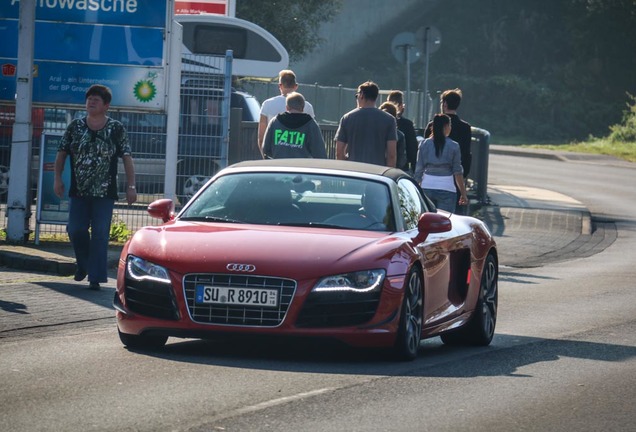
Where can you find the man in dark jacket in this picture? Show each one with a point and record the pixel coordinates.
(460, 130)
(293, 134)
(406, 127)
(401, 161)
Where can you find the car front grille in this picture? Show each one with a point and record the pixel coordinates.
(338, 309)
(152, 299)
(239, 315)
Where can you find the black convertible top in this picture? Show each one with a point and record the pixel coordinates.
(330, 164)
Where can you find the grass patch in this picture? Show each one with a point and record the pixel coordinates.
(119, 231)
(620, 143)
(621, 150)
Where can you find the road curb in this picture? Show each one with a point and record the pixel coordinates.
(47, 264)
(516, 151)
(57, 259)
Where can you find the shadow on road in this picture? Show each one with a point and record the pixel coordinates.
(13, 307)
(79, 290)
(505, 357)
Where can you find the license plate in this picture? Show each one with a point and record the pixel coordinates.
(237, 296)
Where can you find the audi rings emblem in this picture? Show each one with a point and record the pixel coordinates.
(248, 268)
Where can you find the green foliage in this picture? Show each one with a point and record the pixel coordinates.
(489, 105)
(119, 232)
(626, 131)
(620, 143)
(294, 23)
(516, 106)
(544, 70)
(549, 69)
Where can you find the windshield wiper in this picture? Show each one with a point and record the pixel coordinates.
(314, 225)
(209, 219)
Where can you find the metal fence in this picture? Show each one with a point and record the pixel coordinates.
(332, 102)
(243, 146)
(202, 143)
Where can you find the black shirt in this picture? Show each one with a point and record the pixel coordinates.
(406, 127)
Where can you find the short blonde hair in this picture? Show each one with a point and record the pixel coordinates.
(287, 78)
(295, 101)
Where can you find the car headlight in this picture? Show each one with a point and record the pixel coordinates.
(140, 269)
(362, 282)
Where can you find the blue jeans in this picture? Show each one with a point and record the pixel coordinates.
(91, 247)
(442, 199)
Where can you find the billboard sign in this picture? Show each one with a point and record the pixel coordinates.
(121, 44)
(146, 13)
(219, 7)
(67, 83)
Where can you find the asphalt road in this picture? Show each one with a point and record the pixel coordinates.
(563, 359)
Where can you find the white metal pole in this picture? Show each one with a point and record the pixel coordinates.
(173, 107)
(225, 108)
(18, 202)
(407, 52)
(427, 56)
(231, 8)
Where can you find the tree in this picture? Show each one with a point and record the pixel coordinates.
(294, 23)
(542, 69)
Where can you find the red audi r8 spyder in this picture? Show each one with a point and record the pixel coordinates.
(309, 248)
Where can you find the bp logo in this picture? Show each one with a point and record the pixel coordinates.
(145, 90)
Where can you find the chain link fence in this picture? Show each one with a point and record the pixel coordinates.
(332, 102)
(202, 143)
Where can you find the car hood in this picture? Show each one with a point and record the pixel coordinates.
(277, 250)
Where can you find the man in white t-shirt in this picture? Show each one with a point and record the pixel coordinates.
(276, 105)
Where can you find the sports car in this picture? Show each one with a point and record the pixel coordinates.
(309, 248)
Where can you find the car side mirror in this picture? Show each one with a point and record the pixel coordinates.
(162, 209)
(431, 223)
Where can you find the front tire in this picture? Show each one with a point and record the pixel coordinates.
(410, 326)
(142, 341)
(480, 330)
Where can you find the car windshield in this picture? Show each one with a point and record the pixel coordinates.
(314, 200)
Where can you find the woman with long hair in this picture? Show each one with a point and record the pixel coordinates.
(439, 169)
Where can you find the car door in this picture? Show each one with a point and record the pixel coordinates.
(441, 256)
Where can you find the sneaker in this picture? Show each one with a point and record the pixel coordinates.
(80, 275)
(94, 286)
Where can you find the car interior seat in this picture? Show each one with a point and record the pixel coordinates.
(264, 201)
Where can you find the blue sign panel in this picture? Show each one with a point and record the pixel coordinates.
(147, 13)
(94, 43)
(9, 38)
(66, 83)
(120, 45)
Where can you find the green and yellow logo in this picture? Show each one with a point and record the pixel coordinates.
(145, 90)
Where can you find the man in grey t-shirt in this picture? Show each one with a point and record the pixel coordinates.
(367, 134)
